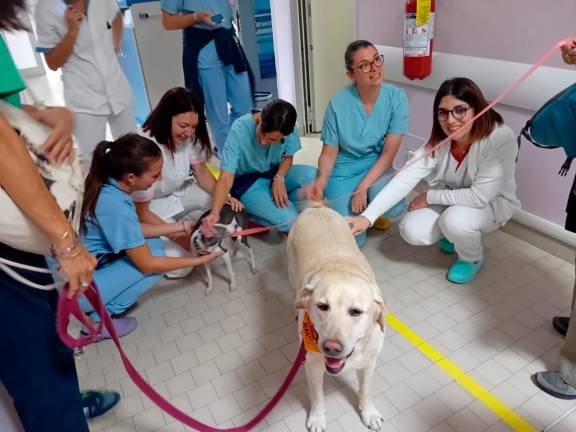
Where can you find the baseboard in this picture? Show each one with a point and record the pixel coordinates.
(544, 234)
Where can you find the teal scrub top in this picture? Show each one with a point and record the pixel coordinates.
(242, 154)
(117, 227)
(359, 137)
(208, 58)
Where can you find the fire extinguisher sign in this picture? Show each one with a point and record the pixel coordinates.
(417, 35)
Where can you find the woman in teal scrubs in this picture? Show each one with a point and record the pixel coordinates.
(363, 128)
(256, 167)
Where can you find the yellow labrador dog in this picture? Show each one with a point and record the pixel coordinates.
(337, 289)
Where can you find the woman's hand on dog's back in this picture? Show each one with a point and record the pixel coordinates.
(235, 204)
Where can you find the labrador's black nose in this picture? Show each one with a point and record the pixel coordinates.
(332, 348)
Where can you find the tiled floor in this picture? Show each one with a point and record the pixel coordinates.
(221, 357)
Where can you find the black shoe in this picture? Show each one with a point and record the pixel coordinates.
(561, 323)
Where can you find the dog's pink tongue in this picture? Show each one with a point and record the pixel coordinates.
(334, 363)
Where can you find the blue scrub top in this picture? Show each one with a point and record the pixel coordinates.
(208, 57)
(359, 137)
(117, 227)
(242, 154)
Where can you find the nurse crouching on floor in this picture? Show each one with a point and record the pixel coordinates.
(130, 255)
(364, 125)
(256, 168)
(472, 190)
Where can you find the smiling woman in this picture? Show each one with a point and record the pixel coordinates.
(130, 255)
(363, 128)
(472, 187)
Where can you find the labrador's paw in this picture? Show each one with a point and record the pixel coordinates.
(208, 290)
(316, 422)
(371, 417)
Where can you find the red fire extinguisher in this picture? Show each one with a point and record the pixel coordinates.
(418, 34)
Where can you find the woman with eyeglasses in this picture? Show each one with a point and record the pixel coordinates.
(363, 128)
(472, 190)
(256, 168)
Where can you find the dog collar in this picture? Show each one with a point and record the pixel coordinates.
(309, 334)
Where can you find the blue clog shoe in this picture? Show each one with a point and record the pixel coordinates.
(463, 272)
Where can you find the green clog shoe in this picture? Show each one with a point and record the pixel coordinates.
(463, 272)
(446, 246)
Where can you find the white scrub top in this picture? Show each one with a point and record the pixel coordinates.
(93, 80)
(175, 173)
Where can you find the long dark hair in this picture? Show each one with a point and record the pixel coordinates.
(278, 116)
(131, 153)
(466, 90)
(176, 101)
(352, 48)
(9, 14)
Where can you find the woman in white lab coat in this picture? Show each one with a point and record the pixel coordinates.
(82, 38)
(178, 126)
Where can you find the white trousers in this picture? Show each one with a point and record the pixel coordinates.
(463, 226)
(188, 203)
(195, 202)
(90, 129)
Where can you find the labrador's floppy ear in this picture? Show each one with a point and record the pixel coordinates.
(304, 293)
(380, 315)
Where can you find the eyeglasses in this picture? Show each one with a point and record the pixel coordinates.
(458, 113)
(367, 66)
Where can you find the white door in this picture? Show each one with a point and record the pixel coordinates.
(331, 27)
(160, 50)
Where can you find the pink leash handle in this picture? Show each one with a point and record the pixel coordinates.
(67, 307)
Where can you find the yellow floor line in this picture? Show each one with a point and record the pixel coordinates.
(469, 384)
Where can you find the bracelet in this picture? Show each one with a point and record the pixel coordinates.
(279, 177)
(66, 252)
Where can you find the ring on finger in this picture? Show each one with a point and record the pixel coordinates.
(84, 284)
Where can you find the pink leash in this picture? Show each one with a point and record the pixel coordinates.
(67, 307)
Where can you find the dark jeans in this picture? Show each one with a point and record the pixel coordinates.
(36, 368)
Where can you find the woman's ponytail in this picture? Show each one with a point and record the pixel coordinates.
(131, 153)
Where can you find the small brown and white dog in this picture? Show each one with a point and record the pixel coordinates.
(229, 223)
(336, 288)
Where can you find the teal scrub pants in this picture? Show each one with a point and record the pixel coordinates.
(222, 86)
(339, 191)
(261, 208)
(121, 283)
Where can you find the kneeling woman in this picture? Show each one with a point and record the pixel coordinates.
(472, 187)
(257, 167)
(130, 255)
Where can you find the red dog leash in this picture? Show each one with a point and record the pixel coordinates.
(67, 307)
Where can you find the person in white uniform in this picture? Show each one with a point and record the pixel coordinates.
(472, 190)
(178, 126)
(82, 37)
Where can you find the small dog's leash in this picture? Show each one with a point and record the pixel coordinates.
(67, 307)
